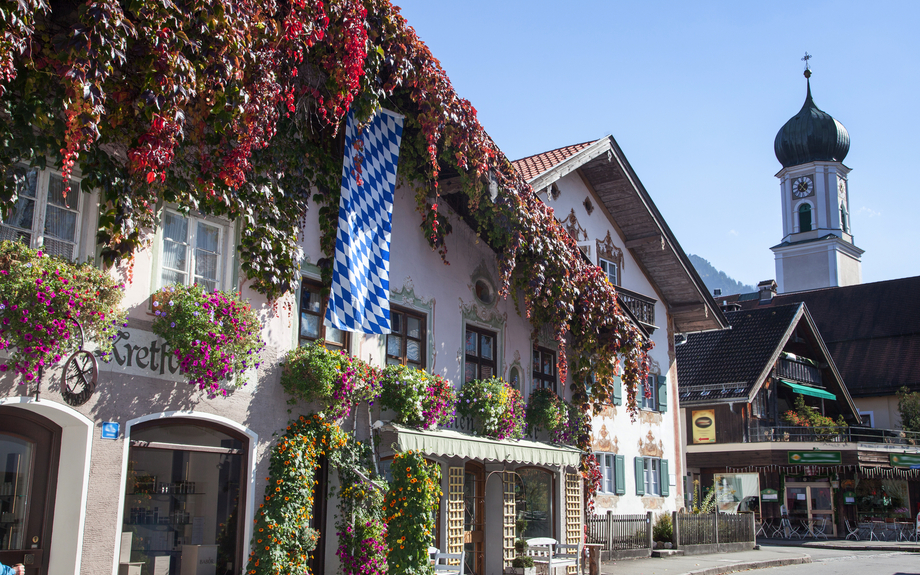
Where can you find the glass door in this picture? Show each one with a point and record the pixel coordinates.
(29, 451)
(811, 503)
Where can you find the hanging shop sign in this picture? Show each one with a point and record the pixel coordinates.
(904, 459)
(815, 457)
(704, 426)
(849, 497)
(769, 495)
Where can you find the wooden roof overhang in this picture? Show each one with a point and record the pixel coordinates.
(604, 168)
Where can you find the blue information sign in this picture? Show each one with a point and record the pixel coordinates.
(109, 430)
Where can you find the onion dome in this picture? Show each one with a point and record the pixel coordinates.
(811, 135)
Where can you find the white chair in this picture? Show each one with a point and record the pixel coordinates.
(819, 528)
(449, 563)
(547, 551)
(852, 530)
(432, 553)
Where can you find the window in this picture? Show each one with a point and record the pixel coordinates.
(480, 354)
(612, 473)
(185, 493)
(759, 406)
(611, 269)
(312, 312)
(805, 218)
(654, 396)
(844, 225)
(406, 340)
(544, 368)
(866, 417)
(191, 251)
(652, 476)
(533, 496)
(43, 216)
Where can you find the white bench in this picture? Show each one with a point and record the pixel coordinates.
(549, 552)
(449, 563)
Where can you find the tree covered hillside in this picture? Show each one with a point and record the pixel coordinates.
(715, 279)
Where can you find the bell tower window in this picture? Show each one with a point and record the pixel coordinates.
(805, 218)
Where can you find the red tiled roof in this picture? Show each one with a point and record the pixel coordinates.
(532, 166)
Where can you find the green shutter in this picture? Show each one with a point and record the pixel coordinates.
(640, 476)
(620, 466)
(665, 479)
(617, 390)
(662, 393)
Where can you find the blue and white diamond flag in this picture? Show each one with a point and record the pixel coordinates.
(359, 300)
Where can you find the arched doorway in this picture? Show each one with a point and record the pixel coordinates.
(30, 447)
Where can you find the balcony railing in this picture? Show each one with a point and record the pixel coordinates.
(770, 433)
(798, 371)
(641, 306)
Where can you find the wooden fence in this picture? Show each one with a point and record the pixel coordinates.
(619, 532)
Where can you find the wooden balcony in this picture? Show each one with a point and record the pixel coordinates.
(798, 371)
(641, 306)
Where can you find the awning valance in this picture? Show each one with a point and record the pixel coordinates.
(451, 443)
(805, 390)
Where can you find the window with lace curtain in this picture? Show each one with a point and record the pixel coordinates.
(44, 217)
(192, 251)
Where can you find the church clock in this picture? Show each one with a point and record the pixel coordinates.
(802, 187)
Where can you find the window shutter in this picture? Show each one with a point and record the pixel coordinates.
(617, 390)
(662, 393)
(640, 476)
(620, 474)
(665, 479)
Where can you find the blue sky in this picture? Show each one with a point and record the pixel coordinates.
(694, 92)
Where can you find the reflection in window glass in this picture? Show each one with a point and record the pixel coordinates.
(534, 501)
(738, 492)
(16, 458)
(182, 504)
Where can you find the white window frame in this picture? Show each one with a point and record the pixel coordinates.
(606, 265)
(225, 244)
(607, 464)
(652, 472)
(650, 403)
(42, 185)
(870, 415)
(796, 222)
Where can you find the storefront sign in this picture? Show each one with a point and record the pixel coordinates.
(138, 352)
(849, 497)
(704, 426)
(904, 459)
(769, 495)
(815, 458)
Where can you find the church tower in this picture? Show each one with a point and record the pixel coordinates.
(817, 250)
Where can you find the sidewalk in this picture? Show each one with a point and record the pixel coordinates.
(773, 553)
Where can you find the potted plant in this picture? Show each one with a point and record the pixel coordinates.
(495, 405)
(314, 373)
(418, 398)
(42, 298)
(215, 335)
(522, 564)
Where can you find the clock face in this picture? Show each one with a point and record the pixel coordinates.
(78, 380)
(802, 187)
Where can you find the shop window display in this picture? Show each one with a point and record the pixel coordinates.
(183, 497)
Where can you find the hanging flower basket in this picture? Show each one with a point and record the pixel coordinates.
(41, 297)
(418, 398)
(215, 335)
(313, 373)
(546, 410)
(496, 407)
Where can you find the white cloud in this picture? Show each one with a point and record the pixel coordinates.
(865, 211)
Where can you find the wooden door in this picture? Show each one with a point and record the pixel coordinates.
(474, 518)
(29, 452)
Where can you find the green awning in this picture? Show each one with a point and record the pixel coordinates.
(812, 391)
(451, 443)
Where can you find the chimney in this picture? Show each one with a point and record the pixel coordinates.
(717, 292)
(767, 289)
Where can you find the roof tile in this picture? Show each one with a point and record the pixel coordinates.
(532, 166)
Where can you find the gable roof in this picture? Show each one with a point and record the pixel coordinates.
(732, 365)
(604, 168)
(532, 166)
(872, 330)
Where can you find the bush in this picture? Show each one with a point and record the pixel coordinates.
(313, 373)
(662, 530)
(215, 335)
(546, 410)
(496, 406)
(419, 398)
(40, 295)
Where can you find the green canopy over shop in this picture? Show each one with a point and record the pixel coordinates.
(806, 390)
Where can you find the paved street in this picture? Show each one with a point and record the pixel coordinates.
(886, 558)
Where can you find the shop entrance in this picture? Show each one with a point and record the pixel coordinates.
(811, 502)
(474, 518)
(29, 452)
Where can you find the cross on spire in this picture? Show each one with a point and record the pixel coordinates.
(806, 59)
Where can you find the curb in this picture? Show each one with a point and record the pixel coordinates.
(900, 548)
(722, 569)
